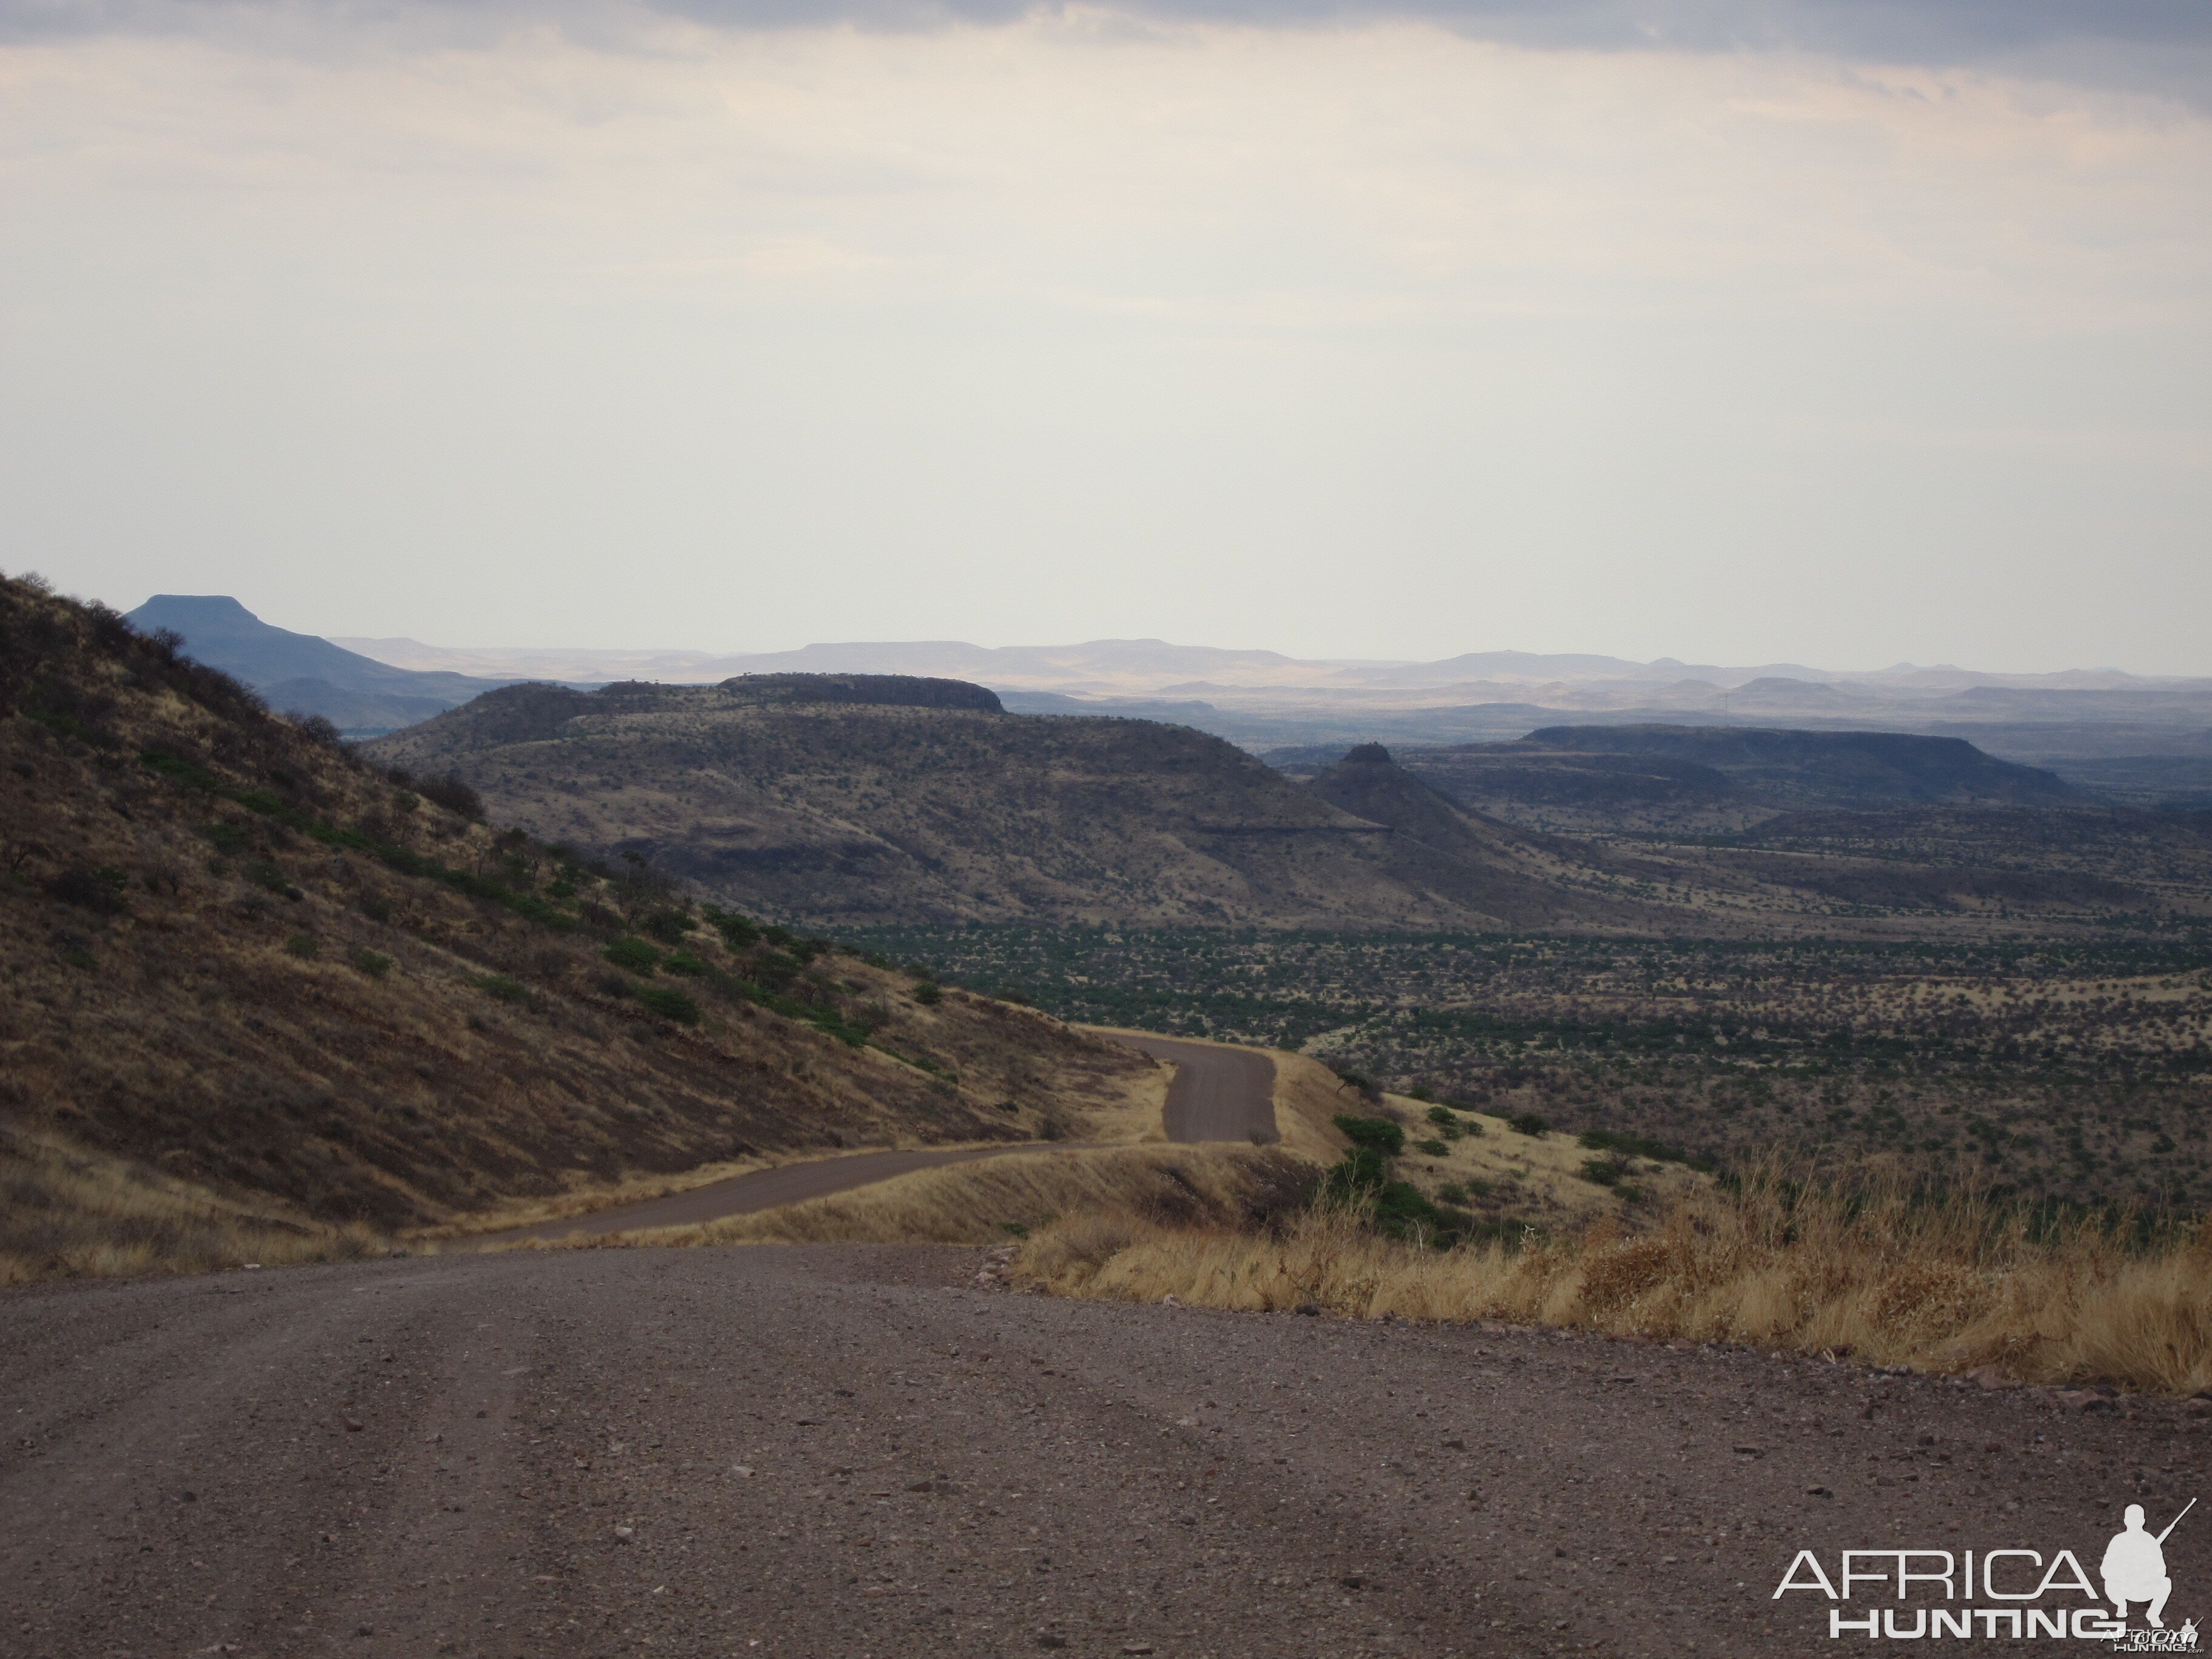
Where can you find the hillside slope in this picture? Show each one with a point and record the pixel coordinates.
(790, 794)
(1471, 859)
(244, 979)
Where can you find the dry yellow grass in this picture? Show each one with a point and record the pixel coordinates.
(1536, 1178)
(982, 1203)
(1125, 1111)
(70, 1214)
(1308, 1097)
(1777, 1264)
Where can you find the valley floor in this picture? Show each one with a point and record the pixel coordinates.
(854, 1451)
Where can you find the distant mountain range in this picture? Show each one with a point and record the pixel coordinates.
(1127, 668)
(302, 673)
(2137, 739)
(2132, 737)
(856, 801)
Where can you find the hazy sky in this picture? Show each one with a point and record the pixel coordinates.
(1839, 332)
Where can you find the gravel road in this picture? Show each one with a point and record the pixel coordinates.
(1218, 1093)
(854, 1453)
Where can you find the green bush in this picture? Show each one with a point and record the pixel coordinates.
(374, 963)
(829, 1023)
(670, 1003)
(1604, 1171)
(1449, 1125)
(928, 994)
(1433, 1148)
(1529, 1123)
(99, 891)
(667, 925)
(634, 954)
(684, 962)
(265, 874)
(376, 907)
(738, 932)
(227, 837)
(1376, 1133)
(1398, 1207)
(303, 946)
(1452, 1193)
(500, 988)
(452, 792)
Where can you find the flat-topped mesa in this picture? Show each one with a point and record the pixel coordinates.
(877, 690)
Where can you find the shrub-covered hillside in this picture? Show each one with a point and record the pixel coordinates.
(247, 981)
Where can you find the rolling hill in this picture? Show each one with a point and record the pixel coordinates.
(255, 990)
(860, 799)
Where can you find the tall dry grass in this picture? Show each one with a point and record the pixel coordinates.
(68, 1213)
(1866, 1268)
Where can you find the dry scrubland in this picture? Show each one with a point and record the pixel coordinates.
(2055, 1069)
(1868, 1272)
(259, 1002)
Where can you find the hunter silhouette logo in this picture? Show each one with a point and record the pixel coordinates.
(2008, 1593)
(2134, 1566)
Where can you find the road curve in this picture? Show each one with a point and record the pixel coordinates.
(1218, 1093)
(756, 1190)
(820, 1452)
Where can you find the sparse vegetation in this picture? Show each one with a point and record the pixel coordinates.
(2068, 1068)
(1374, 1134)
(496, 1067)
(670, 1003)
(634, 954)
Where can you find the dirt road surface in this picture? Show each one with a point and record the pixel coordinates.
(1218, 1093)
(853, 1453)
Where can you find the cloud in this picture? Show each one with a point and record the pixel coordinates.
(2164, 43)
